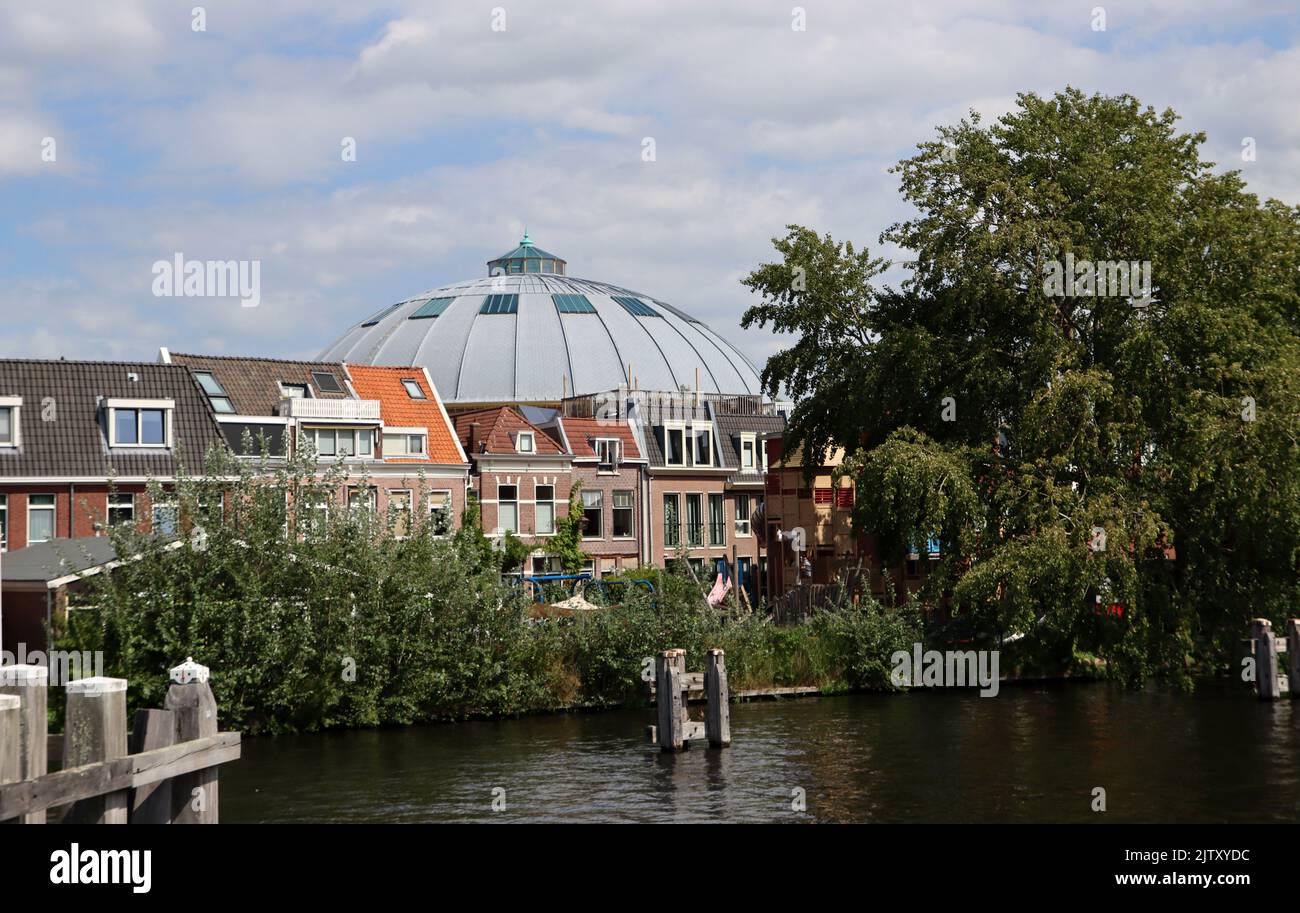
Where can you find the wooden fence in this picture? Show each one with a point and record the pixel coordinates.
(801, 601)
(163, 772)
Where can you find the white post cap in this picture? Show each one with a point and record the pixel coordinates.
(24, 674)
(97, 684)
(189, 671)
(10, 702)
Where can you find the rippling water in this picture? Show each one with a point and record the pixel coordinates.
(1033, 753)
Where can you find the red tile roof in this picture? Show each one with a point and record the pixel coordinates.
(582, 434)
(495, 427)
(399, 410)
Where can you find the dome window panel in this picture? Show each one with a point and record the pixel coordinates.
(500, 304)
(431, 308)
(636, 307)
(573, 304)
(381, 315)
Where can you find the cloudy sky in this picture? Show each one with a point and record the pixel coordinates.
(226, 143)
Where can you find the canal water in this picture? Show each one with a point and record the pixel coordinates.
(1032, 753)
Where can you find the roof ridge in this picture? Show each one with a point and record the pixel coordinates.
(282, 361)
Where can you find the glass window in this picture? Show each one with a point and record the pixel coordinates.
(366, 440)
(415, 444)
(6, 425)
(702, 454)
(500, 304)
(431, 308)
(545, 498)
(608, 451)
(748, 451)
(326, 381)
(209, 383)
(345, 443)
(413, 388)
(526, 442)
(717, 523)
(508, 508)
(623, 501)
(636, 307)
(674, 447)
(694, 522)
(440, 513)
(672, 521)
(126, 428)
(362, 498)
(295, 391)
(325, 442)
(153, 426)
(4, 523)
(742, 515)
(573, 304)
(399, 510)
(593, 514)
(165, 519)
(121, 508)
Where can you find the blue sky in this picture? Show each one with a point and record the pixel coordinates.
(225, 143)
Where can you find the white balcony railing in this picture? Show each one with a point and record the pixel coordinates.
(340, 410)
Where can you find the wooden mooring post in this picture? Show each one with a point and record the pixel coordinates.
(675, 729)
(1264, 647)
(166, 773)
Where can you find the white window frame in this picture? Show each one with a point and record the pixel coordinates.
(4, 522)
(434, 508)
(110, 507)
(409, 495)
(680, 428)
(688, 431)
(313, 432)
(157, 509)
(513, 501)
(303, 389)
(717, 497)
(707, 428)
(631, 510)
(393, 435)
(372, 497)
(743, 526)
(140, 406)
(418, 393)
(609, 445)
(521, 437)
(600, 505)
(52, 507)
(750, 441)
(537, 504)
(14, 405)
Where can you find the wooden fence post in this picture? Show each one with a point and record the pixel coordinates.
(96, 731)
(1261, 632)
(194, 795)
(717, 720)
(152, 803)
(669, 699)
(1293, 654)
(30, 684)
(11, 765)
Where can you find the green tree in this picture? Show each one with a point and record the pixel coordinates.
(988, 408)
(566, 544)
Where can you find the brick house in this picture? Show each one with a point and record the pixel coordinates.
(702, 481)
(385, 424)
(79, 441)
(522, 476)
(824, 512)
(609, 464)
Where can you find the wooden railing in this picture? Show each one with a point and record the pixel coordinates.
(164, 772)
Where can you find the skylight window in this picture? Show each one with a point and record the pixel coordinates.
(573, 304)
(413, 388)
(326, 381)
(500, 304)
(216, 393)
(636, 307)
(431, 308)
(381, 315)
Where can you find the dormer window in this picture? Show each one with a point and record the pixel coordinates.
(404, 442)
(688, 444)
(413, 388)
(10, 434)
(748, 452)
(608, 451)
(295, 391)
(140, 422)
(326, 382)
(526, 442)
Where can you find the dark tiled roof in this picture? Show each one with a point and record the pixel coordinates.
(74, 442)
(254, 383)
(60, 558)
(730, 428)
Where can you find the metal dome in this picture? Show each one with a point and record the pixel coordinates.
(528, 336)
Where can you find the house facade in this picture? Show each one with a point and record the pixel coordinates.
(386, 426)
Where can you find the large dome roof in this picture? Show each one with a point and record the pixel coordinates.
(532, 334)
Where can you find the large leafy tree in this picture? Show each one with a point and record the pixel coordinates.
(980, 404)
